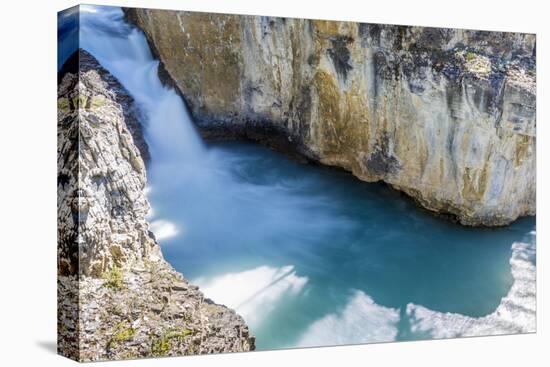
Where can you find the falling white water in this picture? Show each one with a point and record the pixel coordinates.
(212, 194)
(222, 204)
(123, 50)
(209, 193)
(169, 132)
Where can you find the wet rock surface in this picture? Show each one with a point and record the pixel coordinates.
(445, 115)
(117, 296)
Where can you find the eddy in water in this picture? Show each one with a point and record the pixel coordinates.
(308, 255)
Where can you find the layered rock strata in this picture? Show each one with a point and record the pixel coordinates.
(117, 296)
(445, 115)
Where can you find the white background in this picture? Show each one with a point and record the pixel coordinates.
(28, 182)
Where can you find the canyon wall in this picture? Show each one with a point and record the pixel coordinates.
(444, 115)
(117, 296)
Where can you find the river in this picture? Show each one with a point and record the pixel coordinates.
(310, 255)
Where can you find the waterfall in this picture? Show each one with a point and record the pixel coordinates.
(309, 256)
(211, 199)
(123, 50)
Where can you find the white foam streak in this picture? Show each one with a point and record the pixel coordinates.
(124, 51)
(164, 229)
(88, 8)
(361, 321)
(254, 293)
(515, 314)
(174, 144)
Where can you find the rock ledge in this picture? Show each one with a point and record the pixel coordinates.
(117, 296)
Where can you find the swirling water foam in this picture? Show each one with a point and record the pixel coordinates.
(309, 256)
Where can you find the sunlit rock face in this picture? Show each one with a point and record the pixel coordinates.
(117, 296)
(446, 116)
(101, 173)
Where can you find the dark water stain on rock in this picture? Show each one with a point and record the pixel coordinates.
(340, 55)
(381, 161)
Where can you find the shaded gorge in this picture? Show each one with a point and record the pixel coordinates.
(309, 255)
(290, 245)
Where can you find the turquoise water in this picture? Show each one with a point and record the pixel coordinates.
(340, 234)
(309, 255)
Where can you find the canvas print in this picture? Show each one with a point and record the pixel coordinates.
(231, 183)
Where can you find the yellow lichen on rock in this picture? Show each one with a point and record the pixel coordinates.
(419, 108)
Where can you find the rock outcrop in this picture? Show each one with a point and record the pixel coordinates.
(444, 115)
(117, 296)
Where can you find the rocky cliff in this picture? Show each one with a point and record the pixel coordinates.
(444, 115)
(117, 296)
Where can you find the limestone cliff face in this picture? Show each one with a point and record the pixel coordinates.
(101, 174)
(445, 115)
(117, 296)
